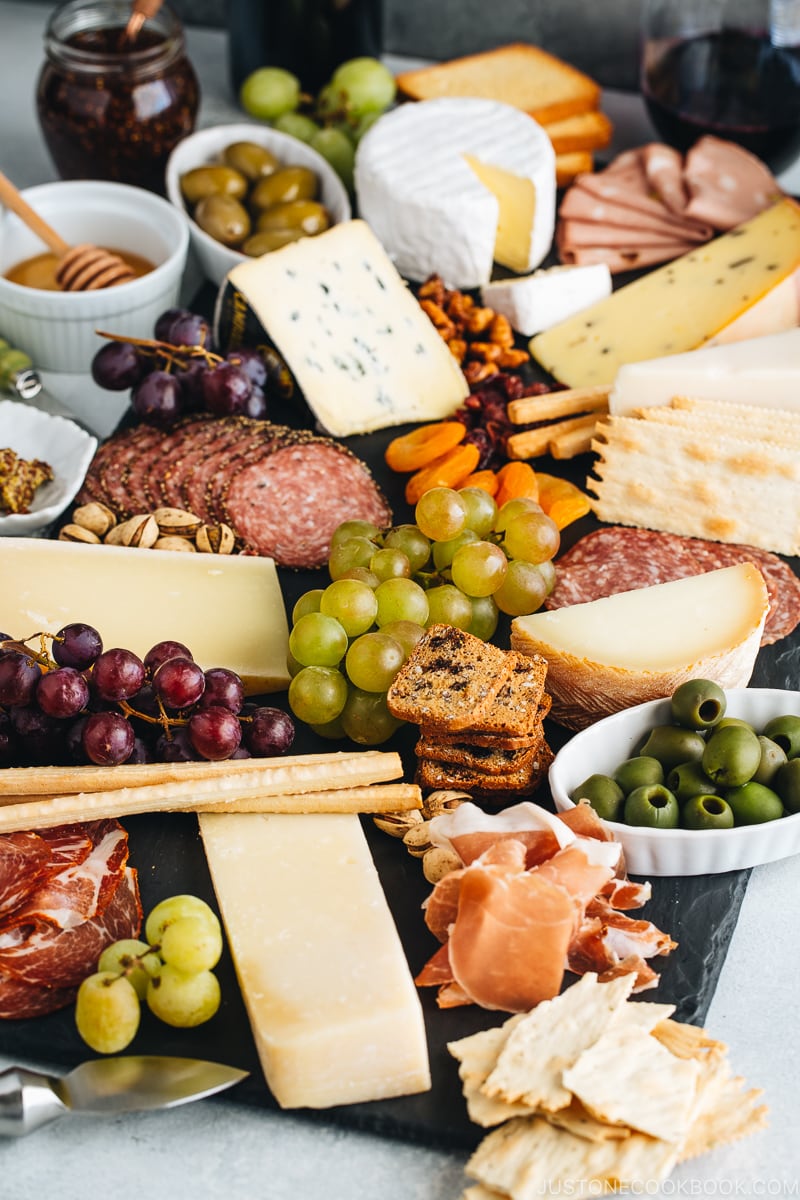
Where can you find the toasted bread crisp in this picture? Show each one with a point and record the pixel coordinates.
(434, 774)
(517, 704)
(481, 759)
(449, 681)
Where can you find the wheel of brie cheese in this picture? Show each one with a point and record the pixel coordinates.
(452, 186)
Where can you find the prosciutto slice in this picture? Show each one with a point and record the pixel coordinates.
(510, 928)
(67, 894)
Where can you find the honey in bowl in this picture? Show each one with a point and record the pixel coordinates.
(40, 271)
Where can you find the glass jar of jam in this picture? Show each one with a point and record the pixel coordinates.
(109, 108)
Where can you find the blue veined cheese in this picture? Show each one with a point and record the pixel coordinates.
(539, 301)
(677, 307)
(452, 185)
(341, 327)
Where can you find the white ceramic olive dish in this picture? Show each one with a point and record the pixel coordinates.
(205, 147)
(654, 852)
(59, 329)
(62, 444)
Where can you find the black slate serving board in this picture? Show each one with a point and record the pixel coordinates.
(700, 913)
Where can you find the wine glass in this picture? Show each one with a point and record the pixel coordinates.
(725, 67)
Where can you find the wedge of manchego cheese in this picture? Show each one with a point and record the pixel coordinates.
(622, 650)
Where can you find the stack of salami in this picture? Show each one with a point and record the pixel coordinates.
(65, 894)
(651, 204)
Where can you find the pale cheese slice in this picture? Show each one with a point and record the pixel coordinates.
(228, 609)
(333, 1007)
(621, 650)
(516, 199)
(538, 301)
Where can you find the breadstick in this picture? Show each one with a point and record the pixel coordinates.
(577, 441)
(558, 404)
(534, 442)
(381, 798)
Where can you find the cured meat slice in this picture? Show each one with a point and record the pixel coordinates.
(619, 259)
(620, 558)
(24, 858)
(727, 184)
(663, 168)
(20, 1001)
(288, 506)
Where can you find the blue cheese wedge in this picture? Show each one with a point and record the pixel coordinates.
(344, 330)
(451, 186)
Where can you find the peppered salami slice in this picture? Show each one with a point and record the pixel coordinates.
(115, 478)
(198, 440)
(109, 463)
(216, 457)
(288, 505)
(619, 558)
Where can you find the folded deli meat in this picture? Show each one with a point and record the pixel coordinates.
(65, 894)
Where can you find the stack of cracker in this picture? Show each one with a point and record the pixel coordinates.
(480, 710)
(589, 1090)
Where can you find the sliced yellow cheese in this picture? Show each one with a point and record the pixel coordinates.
(609, 654)
(228, 609)
(678, 307)
(333, 1008)
(516, 198)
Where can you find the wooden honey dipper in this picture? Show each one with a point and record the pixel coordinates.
(83, 268)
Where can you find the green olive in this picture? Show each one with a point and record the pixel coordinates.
(698, 704)
(773, 756)
(753, 803)
(224, 219)
(653, 805)
(707, 812)
(689, 779)
(604, 795)
(270, 239)
(786, 732)
(306, 215)
(738, 721)
(732, 755)
(251, 160)
(787, 784)
(212, 181)
(638, 772)
(290, 183)
(672, 745)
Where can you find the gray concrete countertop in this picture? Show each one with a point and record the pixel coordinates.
(219, 1148)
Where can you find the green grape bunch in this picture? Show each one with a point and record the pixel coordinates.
(171, 972)
(463, 563)
(332, 122)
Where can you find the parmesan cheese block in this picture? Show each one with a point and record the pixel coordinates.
(612, 653)
(228, 609)
(344, 330)
(452, 185)
(678, 307)
(333, 1008)
(762, 372)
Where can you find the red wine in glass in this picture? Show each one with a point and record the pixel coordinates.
(732, 83)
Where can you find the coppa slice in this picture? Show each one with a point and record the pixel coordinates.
(678, 307)
(639, 645)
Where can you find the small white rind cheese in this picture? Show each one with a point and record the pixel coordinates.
(539, 301)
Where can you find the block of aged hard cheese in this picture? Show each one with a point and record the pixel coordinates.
(228, 609)
(333, 1008)
(349, 333)
(760, 372)
(612, 653)
(678, 307)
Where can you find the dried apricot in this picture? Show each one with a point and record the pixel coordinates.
(423, 445)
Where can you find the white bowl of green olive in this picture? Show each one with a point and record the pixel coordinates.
(248, 189)
(726, 797)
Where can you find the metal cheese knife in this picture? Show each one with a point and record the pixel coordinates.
(106, 1086)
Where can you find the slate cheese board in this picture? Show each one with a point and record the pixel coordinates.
(700, 913)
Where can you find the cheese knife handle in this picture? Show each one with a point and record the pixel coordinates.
(27, 1101)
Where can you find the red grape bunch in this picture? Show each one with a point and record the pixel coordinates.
(177, 372)
(73, 702)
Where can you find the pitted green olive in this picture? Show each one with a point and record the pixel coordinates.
(752, 804)
(787, 784)
(689, 779)
(772, 758)
(306, 215)
(251, 160)
(653, 805)
(289, 183)
(672, 745)
(732, 756)
(270, 239)
(707, 812)
(201, 182)
(698, 704)
(638, 772)
(604, 795)
(786, 732)
(224, 219)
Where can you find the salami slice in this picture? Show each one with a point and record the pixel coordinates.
(620, 558)
(288, 505)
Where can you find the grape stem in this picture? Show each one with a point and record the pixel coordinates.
(174, 355)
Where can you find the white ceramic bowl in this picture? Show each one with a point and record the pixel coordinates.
(603, 746)
(58, 329)
(67, 448)
(206, 146)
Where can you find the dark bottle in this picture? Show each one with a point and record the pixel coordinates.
(310, 38)
(109, 111)
(734, 84)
